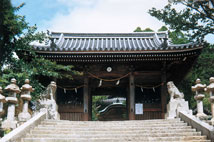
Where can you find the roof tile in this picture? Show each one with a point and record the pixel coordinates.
(110, 42)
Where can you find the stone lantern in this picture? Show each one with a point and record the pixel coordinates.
(210, 90)
(2, 100)
(26, 89)
(13, 90)
(199, 89)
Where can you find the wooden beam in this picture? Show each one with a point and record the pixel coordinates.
(146, 73)
(131, 97)
(121, 73)
(86, 98)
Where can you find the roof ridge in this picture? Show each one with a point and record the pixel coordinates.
(107, 32)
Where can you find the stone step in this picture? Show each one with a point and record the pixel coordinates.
(173, 130)
(112, 135)
(113, 122)
(120, 125)
(110, 129)
(145, 139)
(126, 121)
(111, 126)
(110, 132)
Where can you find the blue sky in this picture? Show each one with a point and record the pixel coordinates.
(91, 15)
(39, 11)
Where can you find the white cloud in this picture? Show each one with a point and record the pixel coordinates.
(106, 16)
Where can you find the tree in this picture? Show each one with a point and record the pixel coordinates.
(197, 19)
(203, 69)
(162, 29)
(96, 104)
(16, 37)
(138, 29)
(177, 37)
(148, 30)
(11, 27)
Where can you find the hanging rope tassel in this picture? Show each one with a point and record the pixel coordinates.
(141, 89)
(64, 90)
(118, 82)
(75, 90)
(100, 84)
(153, 89)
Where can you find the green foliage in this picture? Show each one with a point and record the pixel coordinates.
(6, 131)
(178, 37)
(202, 69)
(95, 106)
(196, 18)
(138, 29)
(197, 21)
(21, 69)
(11, 27)
(16, 38)
(148, 30)
(162, 29)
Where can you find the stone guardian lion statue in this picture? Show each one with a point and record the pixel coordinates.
(176, 103)
(174, 92)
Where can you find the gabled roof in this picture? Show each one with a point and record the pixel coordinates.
(149, 42)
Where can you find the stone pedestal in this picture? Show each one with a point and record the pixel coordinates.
(26, 97)
(10, 122)
(24, 115)
(210, 90)
(13, 90)
(2, 101)
(200, 112)
(212, 109)
(198, 89)
(176, 105)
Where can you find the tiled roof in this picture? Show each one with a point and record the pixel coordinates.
(109, 42)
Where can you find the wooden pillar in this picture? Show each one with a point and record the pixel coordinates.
(127, 101)
(86, 99)
(131, 97)
(90, 104)
(163, 91)
(55, 95)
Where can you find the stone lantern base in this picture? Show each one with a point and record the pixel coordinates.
(24, 116)
(8, 124)
(201, 116)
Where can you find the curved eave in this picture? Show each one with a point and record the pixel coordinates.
(122, 52)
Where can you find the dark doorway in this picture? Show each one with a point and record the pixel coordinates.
(112, 106)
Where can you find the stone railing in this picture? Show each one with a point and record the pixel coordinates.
(46, 103)
(199, 125)
(22, 130)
